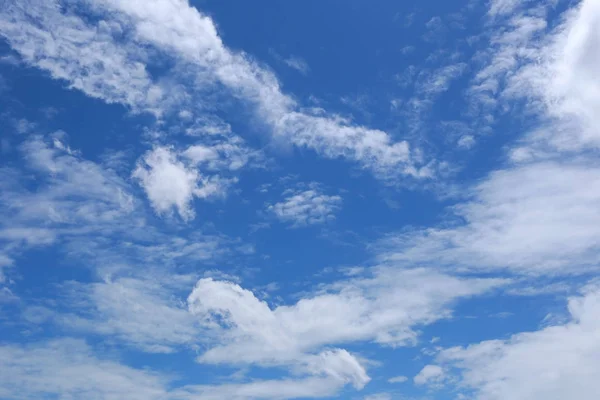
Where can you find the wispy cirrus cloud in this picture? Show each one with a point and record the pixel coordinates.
(87, 56)
(545, 224)
(184, 34)
(70, 367)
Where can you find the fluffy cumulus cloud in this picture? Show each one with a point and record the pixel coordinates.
(384, 307)
(238, 329)
(306, 207)
(556, 362)
(170, 184)
(430, 374)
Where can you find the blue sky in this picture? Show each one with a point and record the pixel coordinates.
(292, 200)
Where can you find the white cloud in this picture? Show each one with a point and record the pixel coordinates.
(88, 212)
(115, 72)
(231, 155)
(466, 141)
(549, 65)
(398, 379)
(429, 375)
(57, 195)
(510, 48)
(378, 396)
(562, 81)
(86, 56)
(540, 218)
(298, 64)
(69, 369)
(428, 85)
(384, 307)
(554, 363)
(439, 80)
(306, 207)
(502, 7)
(169, 183)
(140, 312)
(311, 387)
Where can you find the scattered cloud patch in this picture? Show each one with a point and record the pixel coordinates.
(429, 375)
(170, 184)
(517, 229)
(306, 207)
(298, 64)
(398, 379)
(518, 367)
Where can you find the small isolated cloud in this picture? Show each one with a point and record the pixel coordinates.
(298, 64)
(306, 207)
(466, 141)
(430, 374)
(398, 379)
(378, 396)
(170, 184)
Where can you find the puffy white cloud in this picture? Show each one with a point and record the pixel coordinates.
(429, 375)
(553, 363)
(540, 218)
(306, 207)
(169, 183)
(384, 308)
